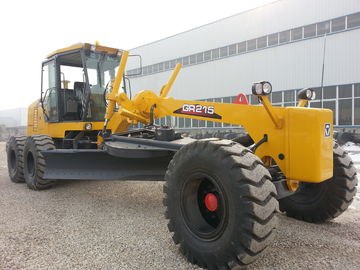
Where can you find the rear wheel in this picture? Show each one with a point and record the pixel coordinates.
(326, 200)
(34, 163)
(14, 151)
(220, 203)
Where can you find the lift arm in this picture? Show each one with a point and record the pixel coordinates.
(297, 137)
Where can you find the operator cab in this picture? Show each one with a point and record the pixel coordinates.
(74, 81)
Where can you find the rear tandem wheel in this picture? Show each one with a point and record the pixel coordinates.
(320, 202)
(34, 163)
(220, 203)
(14, 151)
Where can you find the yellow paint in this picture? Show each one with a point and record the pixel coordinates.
(166, 88)
(111, 97)
(302, 103)
(292, 185)
(78, 46)
(297, 141)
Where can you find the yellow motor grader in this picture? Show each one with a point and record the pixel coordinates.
(221, 196)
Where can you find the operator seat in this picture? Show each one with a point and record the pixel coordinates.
(79, 94)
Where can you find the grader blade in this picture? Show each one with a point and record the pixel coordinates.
(99, 165)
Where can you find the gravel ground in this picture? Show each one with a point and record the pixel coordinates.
(120, 225)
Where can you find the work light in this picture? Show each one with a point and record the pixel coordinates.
(88, 126)
(261, 88)
(307, 94)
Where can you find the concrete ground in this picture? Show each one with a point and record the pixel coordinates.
(120, 225)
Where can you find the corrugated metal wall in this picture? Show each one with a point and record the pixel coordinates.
(287, 66)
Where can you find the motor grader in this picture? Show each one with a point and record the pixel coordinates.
(221, 196)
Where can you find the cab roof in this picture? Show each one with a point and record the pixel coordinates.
(95, 47)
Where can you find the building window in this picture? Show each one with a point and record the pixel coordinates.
(232, 49)
(195, 123)
(353, 20)
(323, 28)
(168, 121)
(215, 53)
(284, 36)
(161, 66)
(345, 111)
(276, 97)
(289, 104)
(296, 33)
(187, 122)
(329, 92)
(150, 68)
(207, 55)
(227, 100)
(345, 91)
(167, 64)
(273, 39)
(310, 31)
(185, 60)
(209, 124)
(332, 106)
(357, 90)
(338, 24)
(289, 96)
(156, 67)
(199, 57)
(318, 92)
(316, 104)
(144, 70)
(224, 51)
(357, 111)
(251, 44)
(181, 122)
(179, 61)
(172, 63)
(262, 42)
(254, 100)
(242, 47)
(193, 59)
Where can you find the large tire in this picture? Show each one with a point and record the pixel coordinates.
(14, 151)
(324, 201)
(34, 163)
(241, 225)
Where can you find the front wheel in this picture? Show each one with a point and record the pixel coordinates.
(34, 163)
(220, 203)
(320, 202)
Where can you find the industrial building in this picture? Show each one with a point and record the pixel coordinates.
(291, 43)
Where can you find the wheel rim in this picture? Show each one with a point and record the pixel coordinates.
(204, 206)
(30, 163)
(12, 161)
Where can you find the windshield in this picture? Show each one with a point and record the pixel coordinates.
(101, 69)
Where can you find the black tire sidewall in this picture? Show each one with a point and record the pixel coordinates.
(15, 171)
(220, 170)
(30, 148)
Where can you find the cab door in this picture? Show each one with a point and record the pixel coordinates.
(49, 93)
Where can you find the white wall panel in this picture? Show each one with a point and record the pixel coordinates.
(274, 17)
(291, 66)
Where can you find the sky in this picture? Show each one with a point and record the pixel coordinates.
(32, 29)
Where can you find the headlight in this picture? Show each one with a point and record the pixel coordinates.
(88, 126)
(307, 94)
(261, 88)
